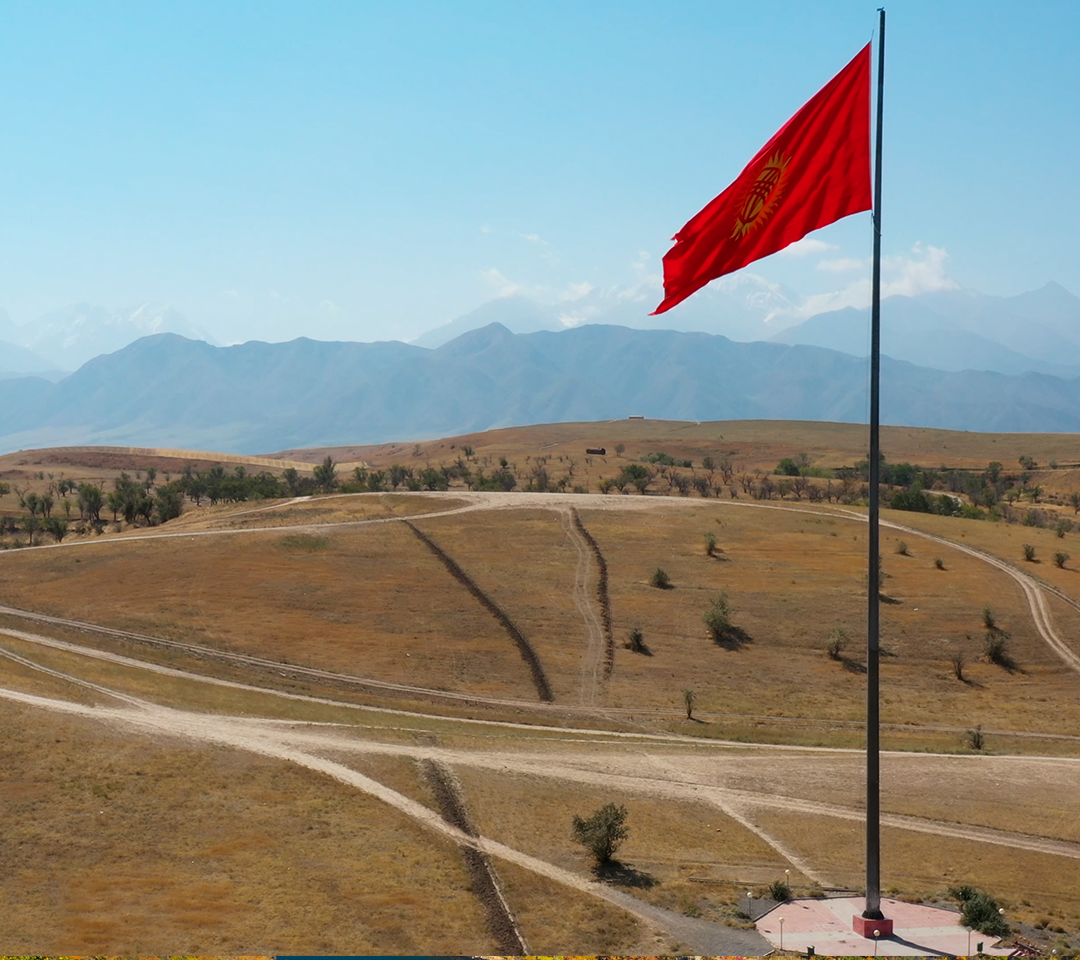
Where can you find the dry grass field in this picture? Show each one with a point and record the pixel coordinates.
(188, 797)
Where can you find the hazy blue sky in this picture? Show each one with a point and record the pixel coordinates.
(369, 170)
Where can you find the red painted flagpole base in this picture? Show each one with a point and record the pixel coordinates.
(865, 927)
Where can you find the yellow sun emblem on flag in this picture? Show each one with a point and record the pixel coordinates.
(762, 196)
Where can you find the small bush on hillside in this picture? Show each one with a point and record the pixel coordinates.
(1029, 552)
(902, 549)
(996, 650)
(980, 912)
(710, 543)
(975, 738)
(660, 579)
(689, 697)
(779, 891)
(635, 641)
(1062, 528)
(958, 666)
(837, 641)
(603, 832)
(962, 893)
(718, 617)
(939, 563)
(989, 620)
(1060, 558)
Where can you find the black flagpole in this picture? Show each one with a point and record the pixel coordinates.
(873, 775)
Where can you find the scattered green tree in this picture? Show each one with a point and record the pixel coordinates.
(635, 641)
(980, 911)
(996, 650)
(1060, 558)
(689, 697)
(603, 832)
(939, 563)
(975, 738)
(718, 617)
(326, 475)
(56, 528)
(710, 543)
(660, 579)
(902, 548)
(1029, 552)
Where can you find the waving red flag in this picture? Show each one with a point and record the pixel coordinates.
(814, 171)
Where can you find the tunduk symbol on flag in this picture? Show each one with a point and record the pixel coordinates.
(814, 171)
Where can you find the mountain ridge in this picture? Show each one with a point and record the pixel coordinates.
(166, 390)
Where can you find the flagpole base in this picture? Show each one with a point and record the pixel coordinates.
(871, 927)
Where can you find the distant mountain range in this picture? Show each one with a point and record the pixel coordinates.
(165, 390)
(947, 329)
(65, 339)
(742, 306)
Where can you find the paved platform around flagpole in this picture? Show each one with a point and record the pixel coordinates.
(918, 931)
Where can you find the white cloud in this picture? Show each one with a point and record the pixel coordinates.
(329, 307)
(534, 238)
(912, 275)
(484, 228)
(921, 271)
(575, 291)
(808, 247)
(841, 265)
(500, 285)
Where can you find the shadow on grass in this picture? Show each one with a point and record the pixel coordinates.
(733, 638)
(891, 601)
(623, 875)
(853, 666)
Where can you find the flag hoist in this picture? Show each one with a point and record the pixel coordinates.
(813, 172)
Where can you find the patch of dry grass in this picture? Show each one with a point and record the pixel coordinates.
(132, 845)
(791, 577)
(556, 921)
(373, 603)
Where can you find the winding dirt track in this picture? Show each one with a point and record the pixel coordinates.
(664, 776)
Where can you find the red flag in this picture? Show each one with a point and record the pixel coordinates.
(814, 171)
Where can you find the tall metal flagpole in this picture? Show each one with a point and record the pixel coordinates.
(873, 777)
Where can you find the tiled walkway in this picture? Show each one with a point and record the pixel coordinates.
(826, 926)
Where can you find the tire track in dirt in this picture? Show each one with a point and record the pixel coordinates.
(592, 658)
(485, 882)
(528, 654)
(602, 593)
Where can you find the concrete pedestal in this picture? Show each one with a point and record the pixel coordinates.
(866, 927)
